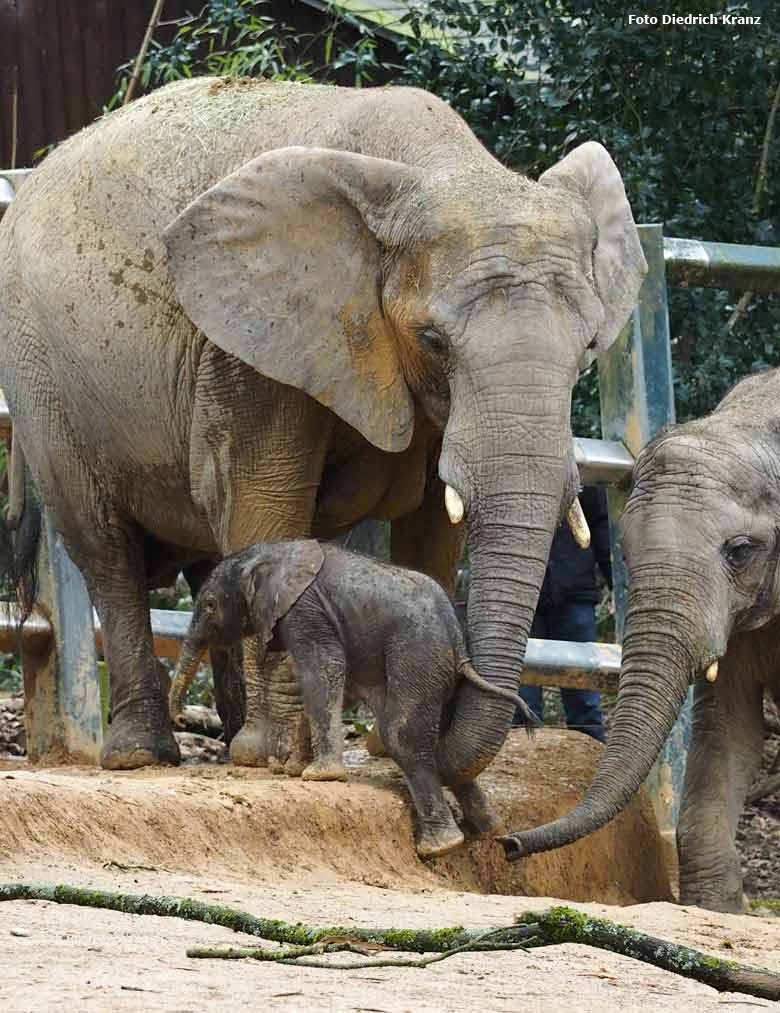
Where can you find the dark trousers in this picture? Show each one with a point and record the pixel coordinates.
(575, 621)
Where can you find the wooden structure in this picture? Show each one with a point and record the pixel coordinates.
(59, 59)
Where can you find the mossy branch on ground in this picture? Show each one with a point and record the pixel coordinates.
(564, 925)
(411, 941)
(558, 925)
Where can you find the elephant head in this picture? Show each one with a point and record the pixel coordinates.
(463, 291)
(246, 595)
(701, 538)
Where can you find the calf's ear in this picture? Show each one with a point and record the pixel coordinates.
(275, 578)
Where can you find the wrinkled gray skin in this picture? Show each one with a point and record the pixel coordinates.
(701, 537)
(381, 634)
(238, 311)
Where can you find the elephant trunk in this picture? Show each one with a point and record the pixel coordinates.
(509, 540)
(186, 667)
(659, 660)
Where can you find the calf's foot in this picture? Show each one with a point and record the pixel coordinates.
(433, 842)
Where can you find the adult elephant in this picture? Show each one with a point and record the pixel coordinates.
(239, 311)
(701, 537)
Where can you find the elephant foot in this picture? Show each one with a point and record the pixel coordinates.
(374, 743)
(711, 900)
(288, 753)
(249, 747)
(325, 770)
(431, 843)
(479, 817)
(129, 745)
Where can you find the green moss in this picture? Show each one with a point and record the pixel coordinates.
(422, 941)
(770, 903)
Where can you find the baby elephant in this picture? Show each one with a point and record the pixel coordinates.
(388, 636)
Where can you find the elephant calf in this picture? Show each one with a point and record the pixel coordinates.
(386, 635)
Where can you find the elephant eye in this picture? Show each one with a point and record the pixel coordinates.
(210, 605)
(433, 341)
(739, 551)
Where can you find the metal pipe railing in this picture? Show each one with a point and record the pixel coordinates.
(693, 264)
(547, 662)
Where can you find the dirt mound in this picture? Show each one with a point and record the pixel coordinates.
(236, 821)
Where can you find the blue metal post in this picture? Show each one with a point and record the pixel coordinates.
(62, 694)
(637, 399)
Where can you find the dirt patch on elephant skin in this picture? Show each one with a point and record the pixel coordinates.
(330, 854)
(192, 817)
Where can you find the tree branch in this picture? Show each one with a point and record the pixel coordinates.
(746, 297)
(559, 925)
(139, 62)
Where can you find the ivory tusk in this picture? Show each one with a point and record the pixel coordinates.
(579, 526)
(712, 672)
(454, 505)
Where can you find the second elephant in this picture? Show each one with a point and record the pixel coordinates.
(388, 636)
(701, 538)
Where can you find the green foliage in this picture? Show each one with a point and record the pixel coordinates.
(239, 38)
(683, 111)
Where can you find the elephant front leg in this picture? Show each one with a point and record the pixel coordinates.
(276, 731)
(479, 817)
(723, 758)
(140, 732)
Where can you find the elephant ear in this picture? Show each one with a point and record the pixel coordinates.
(279, 264)
(275, 578)
(618, 262)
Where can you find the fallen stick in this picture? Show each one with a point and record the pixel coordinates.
(558, 925)
(409, 940)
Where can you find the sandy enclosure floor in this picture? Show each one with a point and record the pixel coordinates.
(80, 959)
(332, 854)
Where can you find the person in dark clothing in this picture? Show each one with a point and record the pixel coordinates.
(567, 607)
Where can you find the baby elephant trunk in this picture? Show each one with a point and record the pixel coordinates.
(467, 670)
(186, 667)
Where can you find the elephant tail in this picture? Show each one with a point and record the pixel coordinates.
(20, 532)
(467, 670)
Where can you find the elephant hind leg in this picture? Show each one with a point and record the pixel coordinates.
(409, 727)
(479, 818)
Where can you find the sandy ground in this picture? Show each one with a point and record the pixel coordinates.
(330, 854)
(82, 959)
